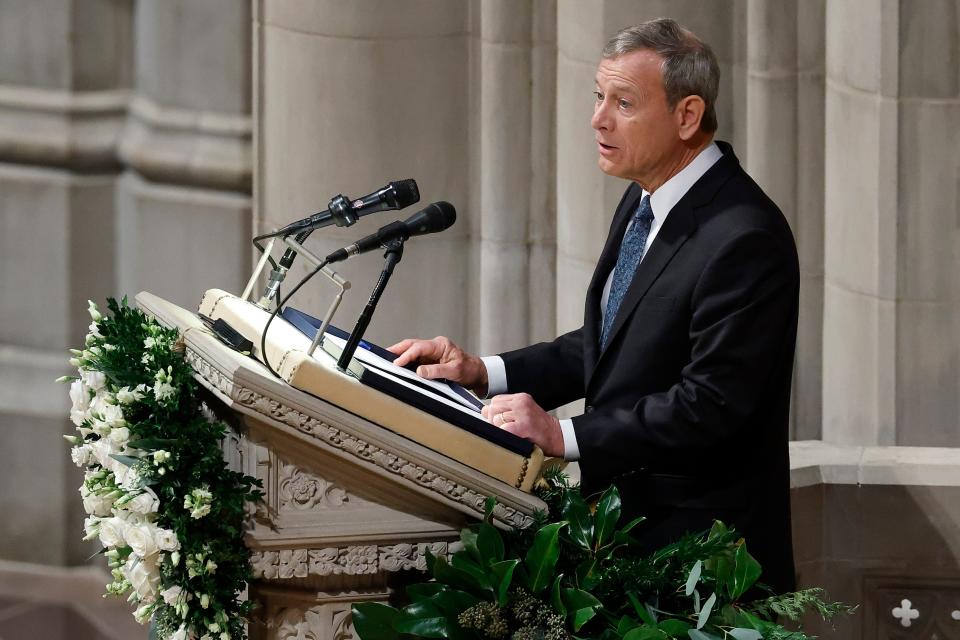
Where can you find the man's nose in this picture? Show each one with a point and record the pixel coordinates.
(600, 119)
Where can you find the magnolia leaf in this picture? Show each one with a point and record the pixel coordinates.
(453, 601)
(424, 627)
(488, 506)
(586, 578)
(704, 614)
(502, 573)
(746, 570)
(374, 621)
(718, 529)
(606, 516)
(489, 544)
(577, 513)
(425, 590)
(555, 597)
(630, 525)
(674, 627)
(625, 624)
(745, 634)
(693, 577)
(541, 559)
(458, 578)
(581, 606)
(698, 635)
(645, 633)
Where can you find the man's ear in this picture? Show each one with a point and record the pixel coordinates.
(688, 113)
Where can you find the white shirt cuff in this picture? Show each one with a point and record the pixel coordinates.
(570, 449)
(496, 375)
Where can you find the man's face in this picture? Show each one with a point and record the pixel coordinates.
(637, 134)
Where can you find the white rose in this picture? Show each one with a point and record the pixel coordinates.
(140, 539)
(144, 575)
(142, 614)
(120, 436)
(172, 595)
(126, 477)
(111, 532)
(82, 456)
(144, 503)
(167, 540)
(80, 398)
(93, 504)
(91, 527)
(112, 415)
(129, 396)
(181, 634)
(101, 450)
(94, 379)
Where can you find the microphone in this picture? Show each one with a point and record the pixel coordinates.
(436, 217)
(398, 194)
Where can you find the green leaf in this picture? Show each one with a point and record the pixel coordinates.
(648, 616)
(502, 573)
(704, 614)
(424, 627)
(606, 516)
(488, 507)
(745, 634)
(458, 578)
(625, 624)
(575, 510)
(746, 570)
(633, 523)
(555, 597)
(694, 577)
(717, 530)
(695, 635)
(127, 461)
(453, 601)
(424, 590)
(374, 621)
(645, 633)
(674, 627)
(586, 579)
(581, 606)
(468, 537)
(490, 544)
(541, 559)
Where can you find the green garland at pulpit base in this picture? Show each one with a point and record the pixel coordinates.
(582, 576)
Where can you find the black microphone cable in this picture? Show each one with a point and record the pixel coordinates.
(273, 314)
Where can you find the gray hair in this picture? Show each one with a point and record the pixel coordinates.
(689, 66)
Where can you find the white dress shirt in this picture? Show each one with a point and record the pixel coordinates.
(661, 202)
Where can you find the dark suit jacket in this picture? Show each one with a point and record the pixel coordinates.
(687, 408)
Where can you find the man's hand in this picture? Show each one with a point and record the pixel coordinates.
(441, 358)
(520, 415)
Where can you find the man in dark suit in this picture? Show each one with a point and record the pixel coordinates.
(686, 351)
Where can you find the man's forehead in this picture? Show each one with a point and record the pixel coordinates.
(630, 69)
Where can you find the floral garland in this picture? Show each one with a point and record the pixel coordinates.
(159, 497)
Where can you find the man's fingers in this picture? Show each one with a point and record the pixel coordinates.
(434, 371)
(416, 350)
(401, 346)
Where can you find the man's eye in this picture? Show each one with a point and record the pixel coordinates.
(623, 104)
(598, 96)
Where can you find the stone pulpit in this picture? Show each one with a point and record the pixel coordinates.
(351, 507)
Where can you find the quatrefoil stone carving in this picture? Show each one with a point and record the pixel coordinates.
(905, 613)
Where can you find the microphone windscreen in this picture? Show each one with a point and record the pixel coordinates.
(436, 217)
(406, 191)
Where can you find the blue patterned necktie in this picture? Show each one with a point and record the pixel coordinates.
(630, 253)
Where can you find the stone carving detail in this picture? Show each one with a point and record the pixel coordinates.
(302, 491)
(905, 612)
(353, 445)
(352, 560)
(343, 625)
(297, 624)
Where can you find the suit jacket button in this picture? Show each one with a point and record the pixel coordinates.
(589, 409)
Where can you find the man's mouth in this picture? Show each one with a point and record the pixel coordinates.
(605, 148)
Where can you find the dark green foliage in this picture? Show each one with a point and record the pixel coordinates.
(576, 573)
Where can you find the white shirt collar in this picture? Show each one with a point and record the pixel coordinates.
(670, 192)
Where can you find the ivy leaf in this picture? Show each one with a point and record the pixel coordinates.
(541, 559)
(745, 634)
(581, 606)
(502, 573)
(746, 570)
(374, 621)
(704, 614)
(693, 577)
(577, 513)
(605, 519)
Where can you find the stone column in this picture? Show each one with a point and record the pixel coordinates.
(183, 206)
(891, 348)
(349, 96)
(62, 101)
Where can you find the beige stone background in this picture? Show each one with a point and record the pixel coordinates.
(143, 142)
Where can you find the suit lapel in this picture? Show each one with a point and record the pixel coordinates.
(681, 222)
(608, 259)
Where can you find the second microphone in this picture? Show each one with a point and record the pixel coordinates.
(436, 217)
